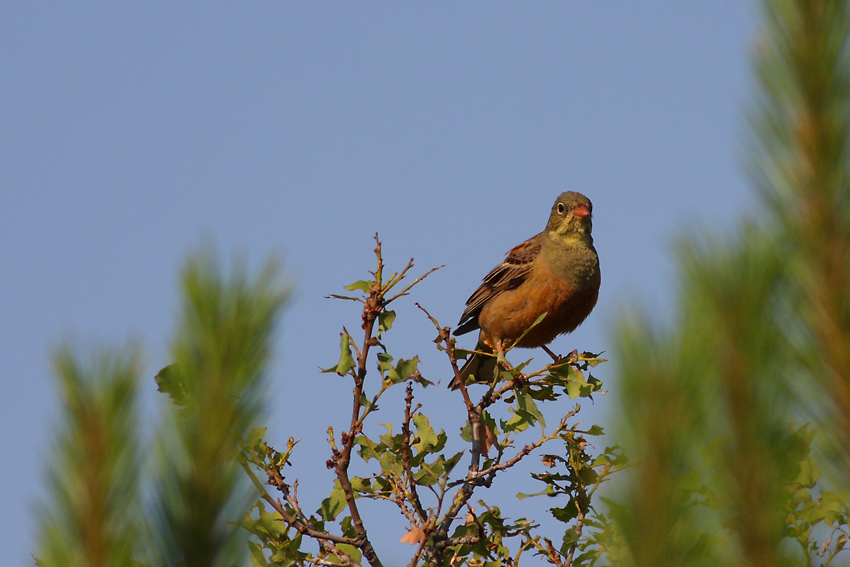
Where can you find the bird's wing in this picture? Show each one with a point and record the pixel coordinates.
(508, 275)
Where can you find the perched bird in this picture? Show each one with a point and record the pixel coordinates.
(555, 272)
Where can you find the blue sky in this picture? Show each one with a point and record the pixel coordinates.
(133, 132)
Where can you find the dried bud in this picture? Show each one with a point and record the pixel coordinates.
(414, 536)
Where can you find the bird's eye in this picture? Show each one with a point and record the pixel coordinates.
(560, 208)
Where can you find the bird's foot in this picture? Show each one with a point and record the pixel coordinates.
(519, 379)
(555, 357)
(500, 355)
(558, 360)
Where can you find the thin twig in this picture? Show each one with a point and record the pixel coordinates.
(406, 455)
(292, 521)
(413, 283)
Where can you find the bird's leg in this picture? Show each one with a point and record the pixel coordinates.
(560, 359)
(554, 356)
(500, 358)
(500, 355)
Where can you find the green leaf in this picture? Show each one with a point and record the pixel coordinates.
(809, 473)
(567, 513)
(422, 381)
(255, 436)
(526, 404)
(570, 539)
(588, 476)
(273, 522)
(382, 484)
(385, 320)
(384, 363)
(426, 476)
(461, 353)
(368, 448)
(812, 514)
(427, 437)
(346, 361)
(258, 558)
(595, 383)
(168, 381)
(452, 462)
(832, 500)
(600, 460)
(595, 430)
(579, 390)
(333, 504)
(391, 462)
(564, 370)
(406, 368)
(347, 527)
(546, 491)
(580, 560)
(350, 550)
(401, 371)
(362, 285)
(592, 359)
(387, 438)
(466, 432)
(516, 423)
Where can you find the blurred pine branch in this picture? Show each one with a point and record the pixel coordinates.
(762, 336)
(800, 164)
(220, 351)
(91, 517)
(221, 348)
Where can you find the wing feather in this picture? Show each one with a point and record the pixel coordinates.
(508, 275)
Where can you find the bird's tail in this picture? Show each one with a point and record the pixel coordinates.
(477, 368)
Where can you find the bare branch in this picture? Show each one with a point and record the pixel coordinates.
(410, 489)
(416, 281)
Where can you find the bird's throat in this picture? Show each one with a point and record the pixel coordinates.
(571, 239)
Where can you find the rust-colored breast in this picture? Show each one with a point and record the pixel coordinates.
(567, 304)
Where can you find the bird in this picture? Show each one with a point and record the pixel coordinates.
(555, 272)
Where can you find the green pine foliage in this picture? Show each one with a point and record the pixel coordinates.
(220, 351)
(92, 514)
(800, 166)
(730, 465)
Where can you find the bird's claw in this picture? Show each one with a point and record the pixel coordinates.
(520, 380)
(559, 360)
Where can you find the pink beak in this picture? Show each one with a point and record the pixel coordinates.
(580, 211)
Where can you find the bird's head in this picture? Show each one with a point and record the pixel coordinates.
(570, 216)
